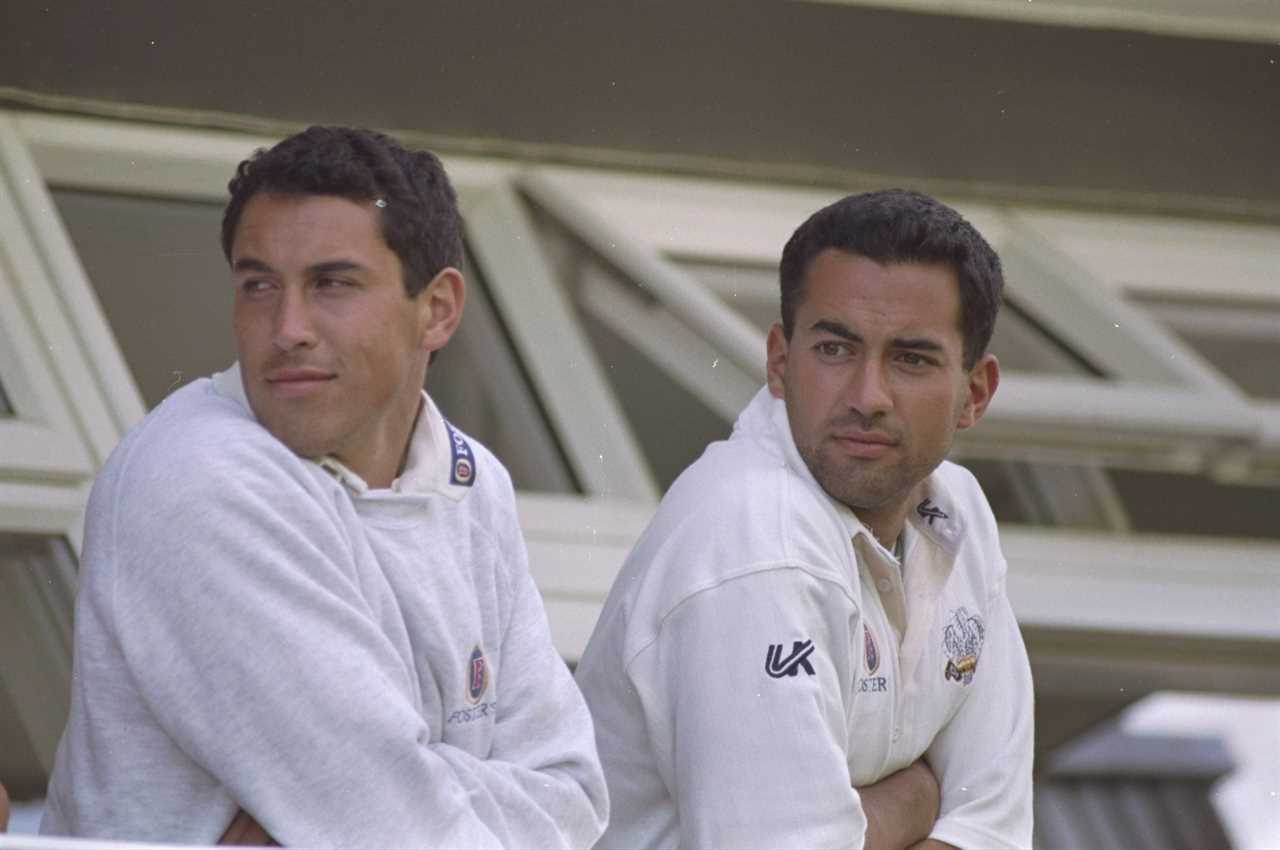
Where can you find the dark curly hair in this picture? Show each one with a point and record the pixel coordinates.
(420, 219)
(901, 226)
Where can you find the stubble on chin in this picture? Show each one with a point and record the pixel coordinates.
(861, 485)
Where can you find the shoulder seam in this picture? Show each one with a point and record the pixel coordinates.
(753, 570)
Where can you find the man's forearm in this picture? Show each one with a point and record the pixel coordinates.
(245, 831)
(901, 809)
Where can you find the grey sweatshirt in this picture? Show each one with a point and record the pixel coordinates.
(353, 667)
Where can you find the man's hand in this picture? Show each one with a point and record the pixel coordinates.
(4, 809)
(244, 830)
(901, 809)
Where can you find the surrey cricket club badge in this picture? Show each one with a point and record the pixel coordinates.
(962, 639)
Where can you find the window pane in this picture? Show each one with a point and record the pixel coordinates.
(750, 290)
(1046, 494)
(1023, 345)
(1241, 339)
(37, 576)
(671, 421)
(480, 385)
(160, 276)
(1169, 503)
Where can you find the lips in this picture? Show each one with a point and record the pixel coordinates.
(279, 376)
(867, 437)
(297, 381)
(865, 444)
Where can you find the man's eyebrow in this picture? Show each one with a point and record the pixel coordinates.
(249, 264)
(836, 329)
(917, 344)
(330, 266)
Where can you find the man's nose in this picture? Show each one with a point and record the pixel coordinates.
(868, 389)
(293, 325)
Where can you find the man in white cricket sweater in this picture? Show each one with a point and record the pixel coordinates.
(811, 644)
(305, 611)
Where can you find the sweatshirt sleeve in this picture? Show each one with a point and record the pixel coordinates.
(744, 694)
(242, 622)
(982, 757)
(542, 785)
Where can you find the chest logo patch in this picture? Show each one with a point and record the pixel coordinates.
(962, 639)
(871, 651)
(477, 675)
(777, 666)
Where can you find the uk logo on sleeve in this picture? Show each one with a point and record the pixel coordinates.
(777, 665)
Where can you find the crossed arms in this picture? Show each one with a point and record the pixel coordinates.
(758, 761)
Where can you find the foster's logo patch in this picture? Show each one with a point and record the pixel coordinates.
(462, 470)
(477, 675)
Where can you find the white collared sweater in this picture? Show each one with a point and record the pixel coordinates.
(353, 667)
(761, 655)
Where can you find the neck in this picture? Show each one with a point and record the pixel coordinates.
(885, 522)
(380, 457)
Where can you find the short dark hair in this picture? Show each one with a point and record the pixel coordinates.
(420, 219)
(901, 226)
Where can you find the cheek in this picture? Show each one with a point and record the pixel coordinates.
(934, 412)
(246, 331)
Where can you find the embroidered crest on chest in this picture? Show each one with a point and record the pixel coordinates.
(871, 683)
(962, 639)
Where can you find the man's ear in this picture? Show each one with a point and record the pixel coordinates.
(440, 303)
(980, 386)
(776, 360)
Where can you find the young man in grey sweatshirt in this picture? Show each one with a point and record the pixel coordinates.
(305, 611)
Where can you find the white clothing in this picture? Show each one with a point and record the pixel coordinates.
(351, 666)
(760, 655)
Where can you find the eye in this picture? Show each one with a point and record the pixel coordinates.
(914, 358)
(828, 348)
(330, 285)
(254, 286)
